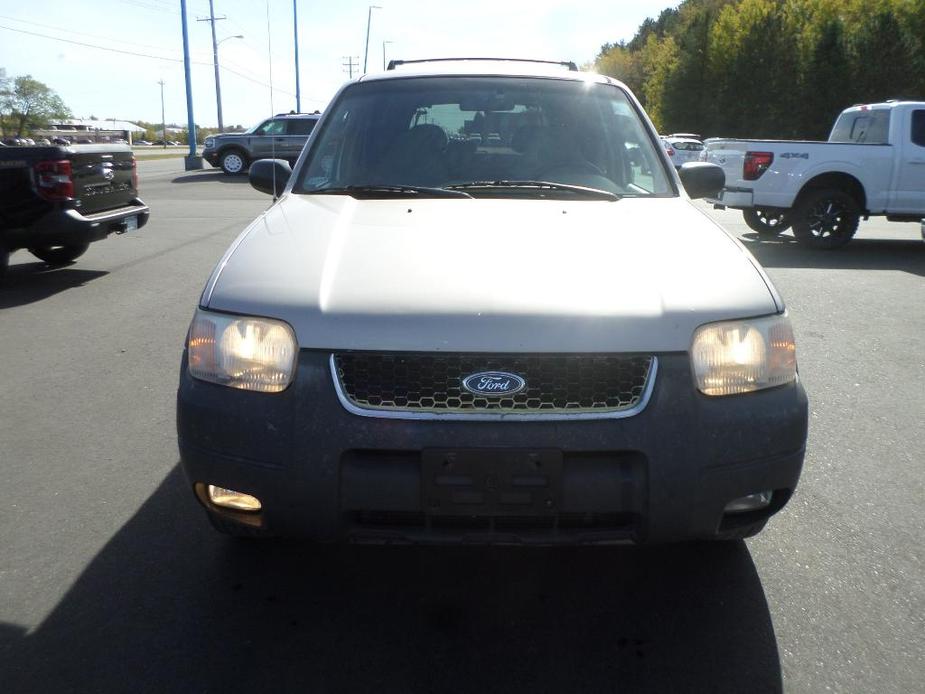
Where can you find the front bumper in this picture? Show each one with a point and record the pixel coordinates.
(664, 474)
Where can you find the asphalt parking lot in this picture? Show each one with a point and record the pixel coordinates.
(111, 579)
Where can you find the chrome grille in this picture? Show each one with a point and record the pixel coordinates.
(576, 384)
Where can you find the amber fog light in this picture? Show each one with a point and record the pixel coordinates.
(228, 498)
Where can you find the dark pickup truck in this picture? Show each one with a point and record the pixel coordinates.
(56, 200)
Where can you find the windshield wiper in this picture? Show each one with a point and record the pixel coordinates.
(539, 186)
(375, 190)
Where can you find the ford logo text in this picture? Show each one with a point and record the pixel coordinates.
(496, 383)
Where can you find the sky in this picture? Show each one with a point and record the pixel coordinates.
(62, 47)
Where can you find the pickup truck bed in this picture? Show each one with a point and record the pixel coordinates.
(57, 200)
(873, 164)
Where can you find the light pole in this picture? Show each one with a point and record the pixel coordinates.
(295, 32)
(163, 117)
(369, 21)
(218, 84)
(383, 52)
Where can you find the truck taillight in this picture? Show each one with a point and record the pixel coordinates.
(134, 174)
(53, 179)
(756, 163)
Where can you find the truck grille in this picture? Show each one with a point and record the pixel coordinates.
(576, 384)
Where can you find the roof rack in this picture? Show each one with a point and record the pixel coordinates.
(298, 113)
(564, 63)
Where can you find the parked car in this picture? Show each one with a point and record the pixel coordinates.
(282, 136)
(417, 343)
(872, 165)
(141, 143)
(60, 141)
(55, 201)
(682, 149)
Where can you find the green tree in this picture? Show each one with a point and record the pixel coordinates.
(31, 104)
(828, 85)
(880, 54)
(5, 86)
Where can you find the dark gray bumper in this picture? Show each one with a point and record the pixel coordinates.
(665, 474)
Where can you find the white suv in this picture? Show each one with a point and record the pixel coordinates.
(433, 337)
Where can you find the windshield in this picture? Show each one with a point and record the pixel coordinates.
(439, 132)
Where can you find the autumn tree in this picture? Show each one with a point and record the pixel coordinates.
(30, 104)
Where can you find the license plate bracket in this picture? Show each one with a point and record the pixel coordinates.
(491, 482)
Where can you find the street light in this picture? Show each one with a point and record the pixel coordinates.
(369, 21)
(383, 53)
(218, 83)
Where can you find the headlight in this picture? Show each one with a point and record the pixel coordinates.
(209, 142)
(248, 353)
(744, 356)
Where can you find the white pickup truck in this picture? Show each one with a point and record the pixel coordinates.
(872, 165)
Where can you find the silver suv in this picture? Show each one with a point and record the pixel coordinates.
(282, 137)
(484, 309)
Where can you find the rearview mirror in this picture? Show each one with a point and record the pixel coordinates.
(270, 175)
(702, 180)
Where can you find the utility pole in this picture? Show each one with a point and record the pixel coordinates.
(369, 21)
(163, 118)
(191, 161)
(212, 19)
(295, 30)
(383, 53)
(349, 64)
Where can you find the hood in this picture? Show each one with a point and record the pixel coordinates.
(637, 275)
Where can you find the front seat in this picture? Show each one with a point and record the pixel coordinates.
(416, 157)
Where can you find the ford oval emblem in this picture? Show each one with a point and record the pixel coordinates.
(496, 383)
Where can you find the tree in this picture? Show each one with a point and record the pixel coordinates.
(5, 86)
(32, 104)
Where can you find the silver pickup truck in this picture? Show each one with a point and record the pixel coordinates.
(280, 137)
(435, 336)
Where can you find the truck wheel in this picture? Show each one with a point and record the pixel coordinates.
(767, 224)
(233, 162)
(826, 219)
(60, 255)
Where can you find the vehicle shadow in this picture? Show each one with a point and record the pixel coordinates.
(26, 283)
(210, 175)
(168, 605)
(860, 254)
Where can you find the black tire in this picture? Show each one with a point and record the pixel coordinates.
(233, 162)
(232, 529)
(60, 255)
(826, 219)
(767, 224)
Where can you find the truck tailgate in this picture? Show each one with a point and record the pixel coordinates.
(103, 175)
(730, 155)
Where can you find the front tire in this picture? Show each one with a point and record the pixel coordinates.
(766, 223)
(233, 162)
(60, 255)
(826, 219)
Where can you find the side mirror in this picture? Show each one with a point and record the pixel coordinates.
(270, 175)
(702, 180)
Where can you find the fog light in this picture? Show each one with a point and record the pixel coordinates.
(752, 502)
(228, 498)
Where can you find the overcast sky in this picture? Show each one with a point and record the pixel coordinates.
(111, 84)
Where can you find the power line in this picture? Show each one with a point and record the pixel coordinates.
(84, 33)
(144, 55)
(90, 45)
